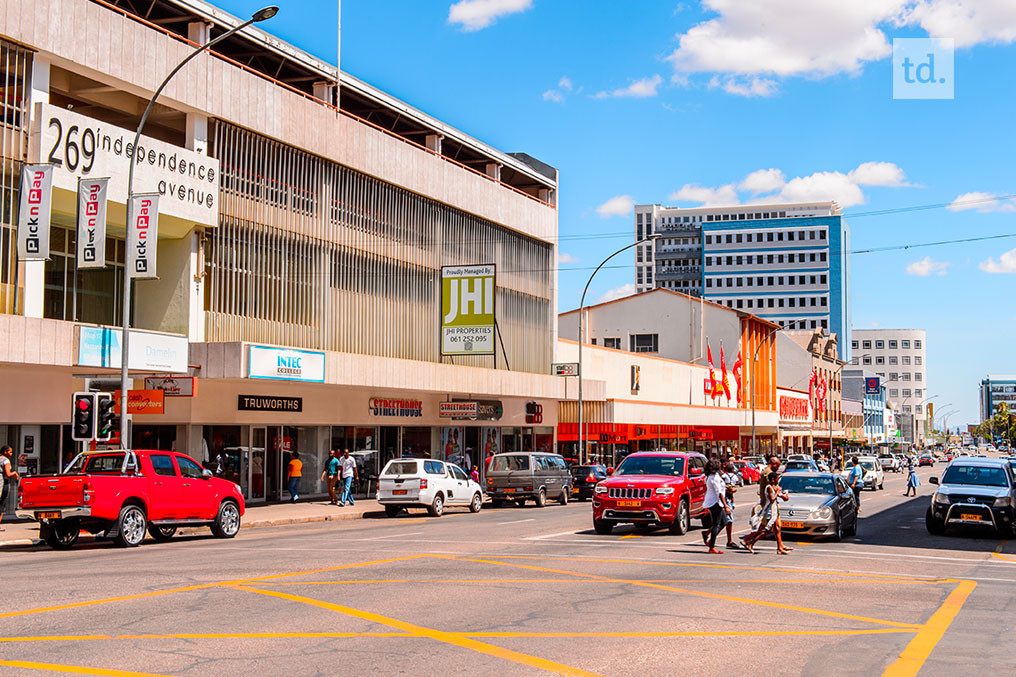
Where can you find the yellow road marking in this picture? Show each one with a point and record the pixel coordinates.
(474, 635)
(201, 586)
(630, 536)
(74, 669)
(438, 635)
(462, 581)
(1001, 544)
(913, 657)
(1003, 557)
(698, 593)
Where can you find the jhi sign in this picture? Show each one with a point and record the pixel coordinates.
(467, 310)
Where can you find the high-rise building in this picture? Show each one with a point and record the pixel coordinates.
(787, 263)
(997, 389)
(898, 356)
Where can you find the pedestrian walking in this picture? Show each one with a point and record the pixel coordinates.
(731, 479)
(716, 504)
(913, 481)
(294, 473)
(349, 475)
(763, 478)
(331, 475)
(8, 477)
(766, 520)
(856, 480)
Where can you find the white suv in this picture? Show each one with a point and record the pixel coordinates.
(874, 477)
(425, 483)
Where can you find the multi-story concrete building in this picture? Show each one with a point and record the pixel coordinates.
(994, 390)
(787, 263)
(899, 357)
(305, 218)
(873, 404)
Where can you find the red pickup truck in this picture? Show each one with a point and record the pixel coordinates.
(121, 494)
(652, 489)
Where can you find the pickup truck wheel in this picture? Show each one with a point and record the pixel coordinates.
(476, 503)
(130, 527)
(603, 527)
(161, 533)
(935, 527)
(541, 498)
(63, 534)
(436, 508)
(227, 522)
(392, 510)
(682, 520)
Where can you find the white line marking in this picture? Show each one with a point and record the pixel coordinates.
(571, 532)
(531, 519)
(378, 538)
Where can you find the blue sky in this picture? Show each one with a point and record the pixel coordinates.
(681, 102)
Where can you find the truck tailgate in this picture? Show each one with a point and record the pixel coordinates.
(45, 492)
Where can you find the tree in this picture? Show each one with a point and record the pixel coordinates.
(1001, 426)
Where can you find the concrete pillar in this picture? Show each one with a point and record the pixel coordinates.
(546, 194)
(199, 32)
(34, 272)
(493, 170)
(197, 133)
(325, 91)
(433, 142)
(196, 310)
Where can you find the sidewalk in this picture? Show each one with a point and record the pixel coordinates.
(256, 516)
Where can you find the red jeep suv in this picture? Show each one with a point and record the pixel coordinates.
(652, 489)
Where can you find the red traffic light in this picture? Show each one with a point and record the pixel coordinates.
(84, 404)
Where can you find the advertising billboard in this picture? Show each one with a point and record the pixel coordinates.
(467, 309)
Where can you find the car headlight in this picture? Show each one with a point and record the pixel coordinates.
(941, 498)
(664, 491)
(1002, 502)
(822, 513)
(600, 489)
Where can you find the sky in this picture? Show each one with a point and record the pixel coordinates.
(726, 101)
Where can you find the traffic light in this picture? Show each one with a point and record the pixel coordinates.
(83, 417)
(106, 418)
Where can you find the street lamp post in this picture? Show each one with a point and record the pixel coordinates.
(258, 16)
(582, 304)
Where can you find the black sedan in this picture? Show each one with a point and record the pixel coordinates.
(584, 479)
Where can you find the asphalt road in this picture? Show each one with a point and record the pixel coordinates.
(517, 591)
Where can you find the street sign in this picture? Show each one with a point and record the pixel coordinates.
(871, 385)
(178, 386)
(565, 369)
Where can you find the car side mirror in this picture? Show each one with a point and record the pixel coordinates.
(933, 480)
(206, 474)
(610, 471)
(695, 472)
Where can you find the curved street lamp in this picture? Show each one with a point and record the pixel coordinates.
(582, 303)
(261, 15)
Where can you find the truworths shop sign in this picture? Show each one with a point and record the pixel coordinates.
(80, 146)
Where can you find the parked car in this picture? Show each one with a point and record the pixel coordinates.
(585, 478)
(749, 471)
(874, 477)
(124, 493)
(974, 492)
(820, 504)
(800, 466)
(521, 475)
(426, 483)
(652, 489)
(799, 457)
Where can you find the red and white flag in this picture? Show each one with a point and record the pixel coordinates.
(712, 373)
(723, 372)
(737, 375)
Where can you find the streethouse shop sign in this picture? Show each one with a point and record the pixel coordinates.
(383, 406)
(467, 310)
(80, 146)
(794, 406)
(268, 403)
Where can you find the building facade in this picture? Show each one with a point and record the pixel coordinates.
(899, 357)
(825, 388)
(994, 390)
(787, 263)
(293, 230)
(873, 404)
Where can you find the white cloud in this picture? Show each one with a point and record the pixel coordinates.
(565, 83)
(823, 186)
(968, 22)
(565, 257)
(878, 174)
(763, 181)
(553, 95)
(474, 15)
(617, 293)
(982, 202)
(747, 87)
(707, 197)
(557, 95)
(620, 205)
(927, 266)
(1006, 263)
(640, 89)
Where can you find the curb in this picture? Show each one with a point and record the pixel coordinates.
(21, 541)
(283, 521)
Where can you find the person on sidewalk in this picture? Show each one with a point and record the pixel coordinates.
(295, 473)
(331, 475)
(716, 504)
(349, 475)
(7, 478)
(856, 480)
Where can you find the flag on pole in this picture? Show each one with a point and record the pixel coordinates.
(737, 375)
(712, 373)
(723, 373)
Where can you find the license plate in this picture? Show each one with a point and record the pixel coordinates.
(792, 525)
(575, 490)
(629, 504)
(968, 516)
(509, 491)
(399, 492)
(47, 515)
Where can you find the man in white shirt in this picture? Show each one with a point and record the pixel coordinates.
(716, 504)
(349, 475)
